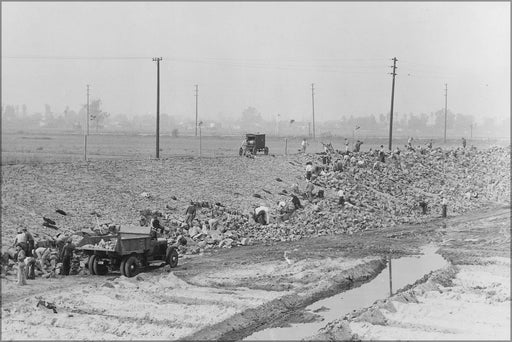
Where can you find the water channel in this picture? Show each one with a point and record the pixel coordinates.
(400, 272)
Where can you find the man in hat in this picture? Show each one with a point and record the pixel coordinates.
(21, 239)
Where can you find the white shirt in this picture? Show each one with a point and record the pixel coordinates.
(21, 237)
(341, 193)
(264, 209)
(309, 168)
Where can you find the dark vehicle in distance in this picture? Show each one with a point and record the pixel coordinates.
(253, 143)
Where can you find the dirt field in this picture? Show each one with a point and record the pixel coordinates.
(229, 293)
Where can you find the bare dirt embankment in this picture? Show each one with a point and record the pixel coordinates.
(231, 292)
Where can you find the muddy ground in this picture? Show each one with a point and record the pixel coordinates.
(231, 293)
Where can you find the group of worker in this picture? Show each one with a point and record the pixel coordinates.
(29, 256)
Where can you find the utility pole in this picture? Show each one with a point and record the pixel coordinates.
(157, 60)
(197, 94)
(445, 108)
(313, 103)
(277, 125)
(392, 99)
(86, 128)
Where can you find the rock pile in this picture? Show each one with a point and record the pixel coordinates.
(383, 195)
(226, 191)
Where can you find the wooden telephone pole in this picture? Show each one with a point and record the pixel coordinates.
(157, 60)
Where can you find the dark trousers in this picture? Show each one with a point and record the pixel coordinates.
(66, 265)
(341, 201)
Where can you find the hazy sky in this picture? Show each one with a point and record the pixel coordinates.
(261, 54)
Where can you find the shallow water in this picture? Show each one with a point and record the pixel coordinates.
(404, 271)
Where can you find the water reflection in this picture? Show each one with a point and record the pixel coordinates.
(401, 272)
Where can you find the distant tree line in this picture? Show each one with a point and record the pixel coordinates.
(251, 120)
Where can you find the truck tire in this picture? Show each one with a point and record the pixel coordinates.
(131, 267)
(123, 266)
(99, 269)
(90, 264)
(171, 257)
(254, 150)
(266, 151)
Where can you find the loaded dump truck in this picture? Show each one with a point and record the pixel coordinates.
(129, 250)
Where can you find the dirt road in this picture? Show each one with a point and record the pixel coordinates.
(231, 293)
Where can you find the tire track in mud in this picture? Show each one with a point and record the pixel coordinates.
(280, 310)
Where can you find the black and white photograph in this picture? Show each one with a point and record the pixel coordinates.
(255, 170)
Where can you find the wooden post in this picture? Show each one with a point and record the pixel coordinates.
(390, 278)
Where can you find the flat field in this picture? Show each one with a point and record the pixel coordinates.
(45, 147)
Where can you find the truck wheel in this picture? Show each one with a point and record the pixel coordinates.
(90, 264)
(122, 267)
(266, 151)
(171, 257)
(99, 269)
(130, 267)
(254, 150)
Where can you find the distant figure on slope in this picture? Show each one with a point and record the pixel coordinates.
(304, 144)
(309, 170)
(357, 148)
(382, 154)
(341, 197)
(191, 214)
(463, 142)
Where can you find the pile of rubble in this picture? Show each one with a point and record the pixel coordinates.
(227, 190)
(383, 194)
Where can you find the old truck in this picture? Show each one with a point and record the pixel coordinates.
(128, 250)
(253, 143)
